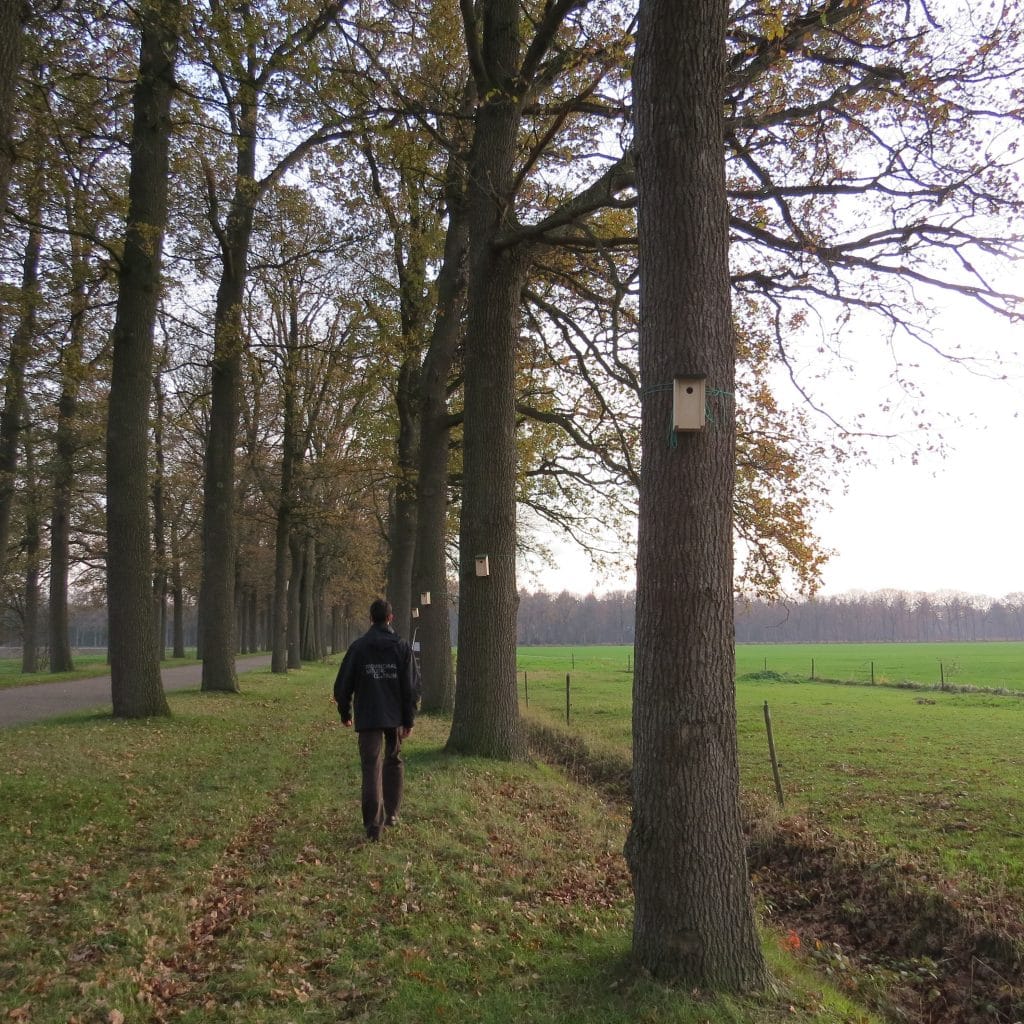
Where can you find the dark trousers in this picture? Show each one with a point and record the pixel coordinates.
(380, 753)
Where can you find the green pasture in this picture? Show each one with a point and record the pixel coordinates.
(987, 665)
(996, 665)
(930, 775)
(210, 868)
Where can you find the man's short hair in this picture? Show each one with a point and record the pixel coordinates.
(380, 612)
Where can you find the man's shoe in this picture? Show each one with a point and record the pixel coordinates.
(373, 833)
(391, 820)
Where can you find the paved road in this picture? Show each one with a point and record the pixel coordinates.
(22, 704)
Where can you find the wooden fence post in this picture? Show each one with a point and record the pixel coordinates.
(771, 752)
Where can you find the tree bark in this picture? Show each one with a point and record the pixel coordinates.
(66, 452)
(159, 524)
(295, 603)
(13, 414)
(310, 650)
(693, 918)
(402, 525)
(177, 595)
(136, 688)
(219, 532)
(279, 625)
(254, 619)
(60, 517)
(242, 618)
(12, 24)
(30, 545)
(486, 719)
(290, 456)
(431, 571)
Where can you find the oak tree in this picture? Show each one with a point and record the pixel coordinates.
(693, 917)
(136, 688)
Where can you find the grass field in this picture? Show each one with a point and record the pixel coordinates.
(993, 665)
(989, 665)
(934, 776)
(210, 868)
(967, 664)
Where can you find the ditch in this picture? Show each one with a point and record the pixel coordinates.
(912, 945)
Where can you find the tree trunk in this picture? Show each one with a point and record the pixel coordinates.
(279, 626)
(242, 618)
(402, 526)
(310, 639)
(12, 22)
(66, 448)
(218, 579)
(13, 414)
(295, 604)
(136, 688)
(335, 629)
(218, 582)
(290, 456)
(30, 623)
(159, 525)
(177, 595)
(30, 545)
(486, 717)
(431, 572)
(60, 517)
(254, 619)
(693, 919)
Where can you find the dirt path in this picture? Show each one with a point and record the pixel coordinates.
(20, 705)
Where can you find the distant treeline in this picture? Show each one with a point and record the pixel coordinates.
(885, 616)
(547, 619)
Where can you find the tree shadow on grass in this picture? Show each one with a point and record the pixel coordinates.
(598, 985)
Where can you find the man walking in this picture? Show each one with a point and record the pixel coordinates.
(379, 671)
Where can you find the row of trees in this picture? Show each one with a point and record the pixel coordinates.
(889, 616)
(884, 617)
(551, 619)
(296, 292)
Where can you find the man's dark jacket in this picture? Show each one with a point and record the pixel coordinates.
(380, 672)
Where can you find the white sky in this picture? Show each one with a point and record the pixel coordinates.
(944, 524)
(951, 523)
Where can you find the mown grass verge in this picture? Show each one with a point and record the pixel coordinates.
(211, 868)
